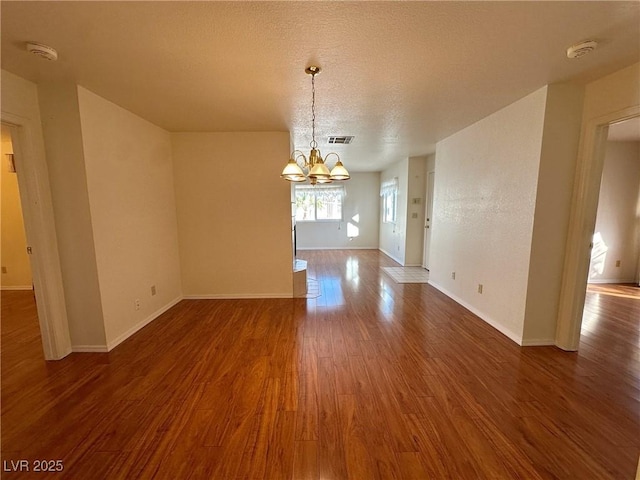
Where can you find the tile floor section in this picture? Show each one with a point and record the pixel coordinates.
(407, 274)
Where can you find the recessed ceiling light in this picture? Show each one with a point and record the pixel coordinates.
(582, 48)
(43, 51)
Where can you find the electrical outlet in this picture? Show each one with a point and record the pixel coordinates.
(453, 275)
(136, 303)
(479, 288)
(153, 290)
(4, 269)
(617, 263)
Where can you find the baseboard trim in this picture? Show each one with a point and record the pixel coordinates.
(236, 296)
(336, 248)
(391, 256)
(612, 280)
(17, 287)
(140, 325)
(498, 326)
(89, 349)
(538, 342)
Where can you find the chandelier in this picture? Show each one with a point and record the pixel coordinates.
(314, 166)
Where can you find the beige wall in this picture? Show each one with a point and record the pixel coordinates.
(618, 218)
(131, 197)
(67, 175)
(416, 185)
(234, 214)
(485, 196)
(608, 99)
(363, 199)
(14, 241)
(560, 140)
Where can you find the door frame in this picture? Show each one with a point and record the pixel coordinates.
(582, 222)
(428, 216)
(39, 224)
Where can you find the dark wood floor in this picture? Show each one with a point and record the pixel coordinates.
(371, 380)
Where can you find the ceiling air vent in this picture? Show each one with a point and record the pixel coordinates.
(344, 140)
(581, 49)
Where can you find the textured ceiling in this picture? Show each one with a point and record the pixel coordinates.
(399, 76)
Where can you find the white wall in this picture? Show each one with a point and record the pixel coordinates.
(485, 196)
(13, 246)
(362, 199)
(560, 141)
(130, 187)
(618, 218)
(403, 240)
(67, 174)
(234, 214)
(393, 236)
(416, 185)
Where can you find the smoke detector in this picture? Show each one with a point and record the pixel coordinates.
(43, 51)
(582, 48)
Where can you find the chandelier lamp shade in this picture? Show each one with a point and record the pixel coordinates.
(313, 167)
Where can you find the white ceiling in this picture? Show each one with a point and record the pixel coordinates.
(399, 76)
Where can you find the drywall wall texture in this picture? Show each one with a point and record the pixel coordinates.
(360, 225)
(618, 218)
(14, 242)
(560, 141)
(393, 235)
(416, 187)
(485, 194)
(68, 179)
(234, 214)
(131, 197)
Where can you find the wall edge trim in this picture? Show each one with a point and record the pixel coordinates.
(140, 325)
(236, 296)
(391, 256)
(612, 280)
(337, 248)
(484, 317)
(539, 342)
(89, 349)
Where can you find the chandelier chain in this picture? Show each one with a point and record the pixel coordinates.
(313, 143)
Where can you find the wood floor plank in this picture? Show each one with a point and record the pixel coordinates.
(370, 380)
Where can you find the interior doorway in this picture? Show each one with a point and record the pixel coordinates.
(19, 330)
(614, 271)
(616, 240)
(39, 227)
(428, 216)
(16, 267)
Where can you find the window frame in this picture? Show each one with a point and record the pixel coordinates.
(389, 194)
(314, 190)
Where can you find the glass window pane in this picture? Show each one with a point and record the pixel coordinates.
(305, 206)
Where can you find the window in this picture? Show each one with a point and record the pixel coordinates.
(318, 203)
(389, 194)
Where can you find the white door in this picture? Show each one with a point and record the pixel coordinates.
(428, 215)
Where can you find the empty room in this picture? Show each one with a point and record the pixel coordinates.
(320, 240)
